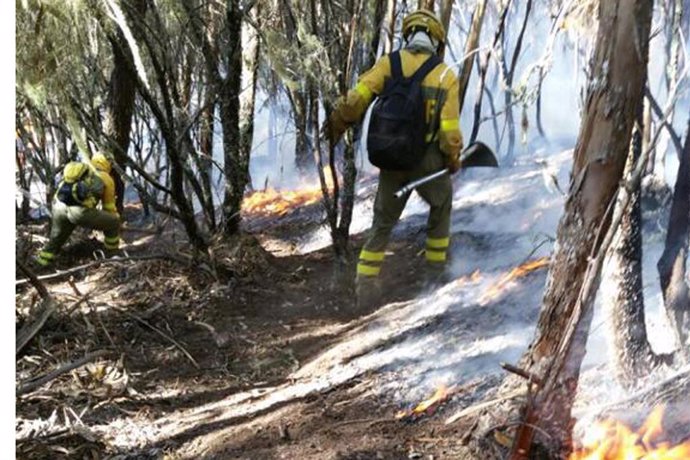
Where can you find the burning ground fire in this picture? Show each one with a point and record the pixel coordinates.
(272, 202)
(613, 440)
(517, 272)
(429, 405)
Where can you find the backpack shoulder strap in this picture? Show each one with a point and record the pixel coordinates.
(396, 65)
(429, 65)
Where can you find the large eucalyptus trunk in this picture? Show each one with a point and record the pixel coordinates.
(558, 347)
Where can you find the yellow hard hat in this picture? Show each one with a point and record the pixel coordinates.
(99, 161)
(426, 20)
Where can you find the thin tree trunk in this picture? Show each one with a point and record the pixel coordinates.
(446, 13)
(299, 99)
(622, 293)
(250, 70)
(483, 67)
(672, 264)
(236, 165)
(390, 26)
(120, 106)
(470, 49)
(508, 76)
(428, 4)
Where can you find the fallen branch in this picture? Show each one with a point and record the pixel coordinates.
(60, 274)
(34, 384)
(161, 333)
(30, 330)
(370, 421)
(477, 407)
(35, 280)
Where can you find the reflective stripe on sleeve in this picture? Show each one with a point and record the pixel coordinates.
(452, 124)
(365, 92)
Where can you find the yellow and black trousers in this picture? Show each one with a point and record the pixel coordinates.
(66, 218)
(438, 194)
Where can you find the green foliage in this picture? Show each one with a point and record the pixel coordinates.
(299, 62)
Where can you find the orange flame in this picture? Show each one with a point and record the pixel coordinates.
(517, 272)
(441, 394)
(272, 202)
(613, 440)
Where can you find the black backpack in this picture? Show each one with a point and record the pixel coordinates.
(73, 190)
(397, 127)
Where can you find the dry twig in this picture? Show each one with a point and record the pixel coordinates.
(34, 384)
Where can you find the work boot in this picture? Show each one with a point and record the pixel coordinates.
(367, 292)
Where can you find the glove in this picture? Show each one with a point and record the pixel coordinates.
(454, 165)
(333, 128)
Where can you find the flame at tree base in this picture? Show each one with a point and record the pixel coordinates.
(613, 440)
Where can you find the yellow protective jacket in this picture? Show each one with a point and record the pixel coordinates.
(108, 196)
(441, 84)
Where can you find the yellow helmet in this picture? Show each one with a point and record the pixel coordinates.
(425, 20)
(99, 161)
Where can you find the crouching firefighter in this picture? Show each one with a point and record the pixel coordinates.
(82, 187)
(414, 131)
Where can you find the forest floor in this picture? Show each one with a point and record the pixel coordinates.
(263, 357)
(244, 332)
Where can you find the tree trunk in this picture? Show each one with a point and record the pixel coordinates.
(250, 70)
(236, 165)
(303, 161)
(470, 49)
(390, 26)
(446, 13)
(671, 265)
(508, 76)
(483, 67)
(120, 105)
(206, 137)
(613, 101)
(622, 293)
(428, 4)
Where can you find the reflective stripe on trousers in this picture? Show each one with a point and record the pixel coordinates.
(370, 262)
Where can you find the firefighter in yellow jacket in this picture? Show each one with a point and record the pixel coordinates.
(424, 35)
(75, 204)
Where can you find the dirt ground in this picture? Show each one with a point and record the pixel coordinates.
(178, 336)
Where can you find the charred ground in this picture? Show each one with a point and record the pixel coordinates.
(247, 326)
